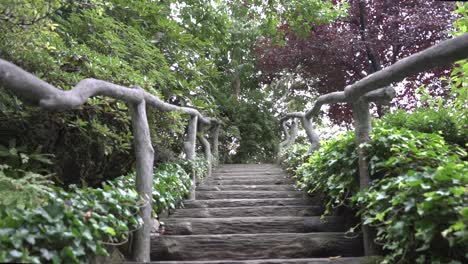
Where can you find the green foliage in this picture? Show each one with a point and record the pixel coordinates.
(421, 217)
(199, 166)
(72, 226)
(295, 156)
(438, 121)
(22, 182)
(333, 170)
(27, 191)
(417, 200)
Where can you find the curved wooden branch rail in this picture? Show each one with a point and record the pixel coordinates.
(367, 90)
(45, 95)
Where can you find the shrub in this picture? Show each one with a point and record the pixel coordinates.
(74, 226)
(295, 156)
(421, 216)
(333, 169)
(428, 120)
(71, 228)
(199, 166)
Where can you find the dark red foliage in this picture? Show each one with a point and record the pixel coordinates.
(375, 35)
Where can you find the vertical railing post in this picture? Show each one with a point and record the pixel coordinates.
(292, 134)
(215, 142)
(190, 151)
(311, 134)
(206, 147)
(363, 127)
(144, 154)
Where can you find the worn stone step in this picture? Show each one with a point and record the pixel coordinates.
(240, 172)
(331, 260)
(249, 202)
(250, 172)
(290, 210)
(254, 246)
(207, 195)
(246, 187)
(247, 177)
(246, 225)
(250, 181)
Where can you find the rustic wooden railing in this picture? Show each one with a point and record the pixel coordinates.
(43, 94)
(369, 89)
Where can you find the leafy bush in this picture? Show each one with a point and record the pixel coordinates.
(295, 156)
(199, 166)
(27, 191)
(21, 183)
(417, 200)
(74, 226)
(429, 120)
(333, 169)
(421, 217)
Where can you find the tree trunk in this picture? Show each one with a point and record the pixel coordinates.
(362, 124)
(144, 178)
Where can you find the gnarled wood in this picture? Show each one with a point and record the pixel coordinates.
(215, 142)
(206, 148)
(443, 53)
(41, 93)
(144, 166)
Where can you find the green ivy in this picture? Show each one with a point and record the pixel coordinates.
(420, 216)
(440, 121)
(294, 156)
(74, 226)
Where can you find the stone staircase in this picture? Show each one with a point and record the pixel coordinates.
(252, 214)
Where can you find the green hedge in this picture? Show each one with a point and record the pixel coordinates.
(74, 226)
(418, 197)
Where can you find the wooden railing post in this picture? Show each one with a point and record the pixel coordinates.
(144, 178)
(190, 151)
(215, 142)
(311, 135)
(363, 127)
(206, 147)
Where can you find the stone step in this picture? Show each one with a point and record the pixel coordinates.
(249, 202)
(250, 181)
(247, 177)
(246, 225)
(250, 172)
(331, 260)
(299, 210)
(254, 246)
(208, 195)
(245, 188)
